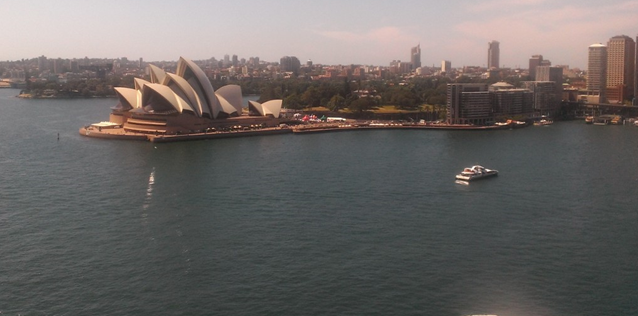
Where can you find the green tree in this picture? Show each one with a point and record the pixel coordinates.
(51, 86)
(346, 90)
(362, 104)
(405, 99)
(267, 93)
(336, 103)
(437, 99)
(312, 96)
(293, 102)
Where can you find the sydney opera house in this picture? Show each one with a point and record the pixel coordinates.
(181, 104)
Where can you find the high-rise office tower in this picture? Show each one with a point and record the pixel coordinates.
(73, 66)
(57, 66)
(415, 56)
(597, 69)
(43, 64)
(621, 58)
(446, 66)
(534, 62)
(290, 63)
(493, 55)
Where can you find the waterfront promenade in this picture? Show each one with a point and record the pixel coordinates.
(121, 133)
(118, 132)
(331, 127)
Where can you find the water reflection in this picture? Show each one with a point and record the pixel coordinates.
(149, 197)
(149, 189)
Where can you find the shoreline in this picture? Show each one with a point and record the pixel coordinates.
(29, 96)
(340, 128)
(119, 133)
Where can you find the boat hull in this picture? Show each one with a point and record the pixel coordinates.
(489, 174)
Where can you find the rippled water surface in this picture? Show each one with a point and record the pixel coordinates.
(358, 223)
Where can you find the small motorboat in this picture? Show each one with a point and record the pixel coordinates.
(543, 122)
(475, 173)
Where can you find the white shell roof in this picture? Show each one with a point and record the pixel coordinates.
(189, 89)
(272, 107)
(225, 106)
(139, 83)
(157, 74)
(201, 85)
(127, 96)
(139, 87)
(167, 94)
(232, 94)
(257, 106)
(186, 90)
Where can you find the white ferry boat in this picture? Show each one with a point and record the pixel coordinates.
(543, 122)
(475, 173)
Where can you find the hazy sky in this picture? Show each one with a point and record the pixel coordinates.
(371, 32)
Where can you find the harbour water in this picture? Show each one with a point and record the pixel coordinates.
(351, 223)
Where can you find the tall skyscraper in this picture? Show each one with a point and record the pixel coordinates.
(57, 66)
(289, 63)
(621, 58)
(597, 70)
(415, 56)
(446, 66)
(74, 66)
(493, 55)
(43, 64)
(534, 62)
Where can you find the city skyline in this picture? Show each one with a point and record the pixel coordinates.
(328, 33)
